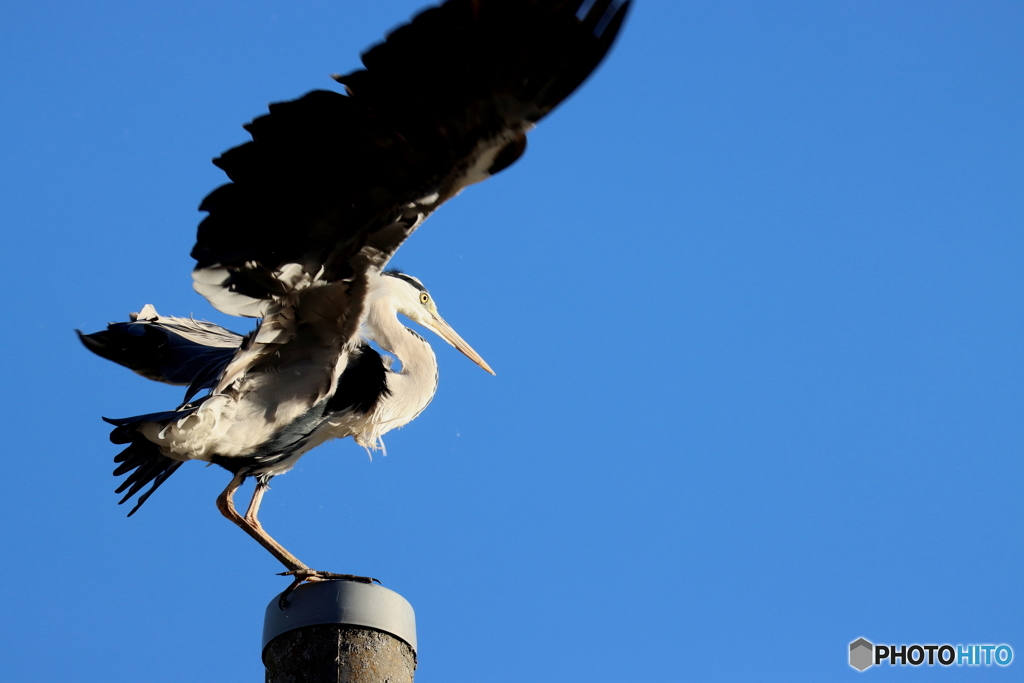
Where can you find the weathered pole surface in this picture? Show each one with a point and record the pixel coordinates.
(332, 653)
(340, 632)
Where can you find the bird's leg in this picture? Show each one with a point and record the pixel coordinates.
(250, 524)
(254, 504)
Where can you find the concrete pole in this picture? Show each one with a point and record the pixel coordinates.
(340, 632)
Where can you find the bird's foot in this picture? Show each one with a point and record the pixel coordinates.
(314, 575)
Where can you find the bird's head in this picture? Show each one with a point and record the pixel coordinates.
(410, 298)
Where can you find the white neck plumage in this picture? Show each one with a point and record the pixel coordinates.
(412, 386)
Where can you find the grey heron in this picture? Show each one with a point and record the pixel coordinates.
(318, 202)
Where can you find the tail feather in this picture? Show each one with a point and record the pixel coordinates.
(143, 474)
(157, 481)
(142, 458)
(126, 428)
(137, 458)
(151, 467)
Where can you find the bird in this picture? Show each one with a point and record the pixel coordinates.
(301, 236)
(370, 397)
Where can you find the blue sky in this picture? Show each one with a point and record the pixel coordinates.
(754, 300)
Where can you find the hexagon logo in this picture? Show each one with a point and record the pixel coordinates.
(862, 654)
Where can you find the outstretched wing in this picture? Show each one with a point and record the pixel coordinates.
(332, 184)
(163, 348)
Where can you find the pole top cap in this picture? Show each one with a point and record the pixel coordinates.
(342, 602)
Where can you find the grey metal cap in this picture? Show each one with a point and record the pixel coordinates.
(342, 602)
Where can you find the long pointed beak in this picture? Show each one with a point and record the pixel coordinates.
(445, 331)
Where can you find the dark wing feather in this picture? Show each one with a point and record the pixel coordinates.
(167, 349)
(363, 383)
(332, 184)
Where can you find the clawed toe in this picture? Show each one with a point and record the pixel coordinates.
(314, 575)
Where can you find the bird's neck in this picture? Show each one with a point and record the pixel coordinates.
(410, 389)
(418, 374)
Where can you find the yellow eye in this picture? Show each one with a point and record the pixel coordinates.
(424, 297)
